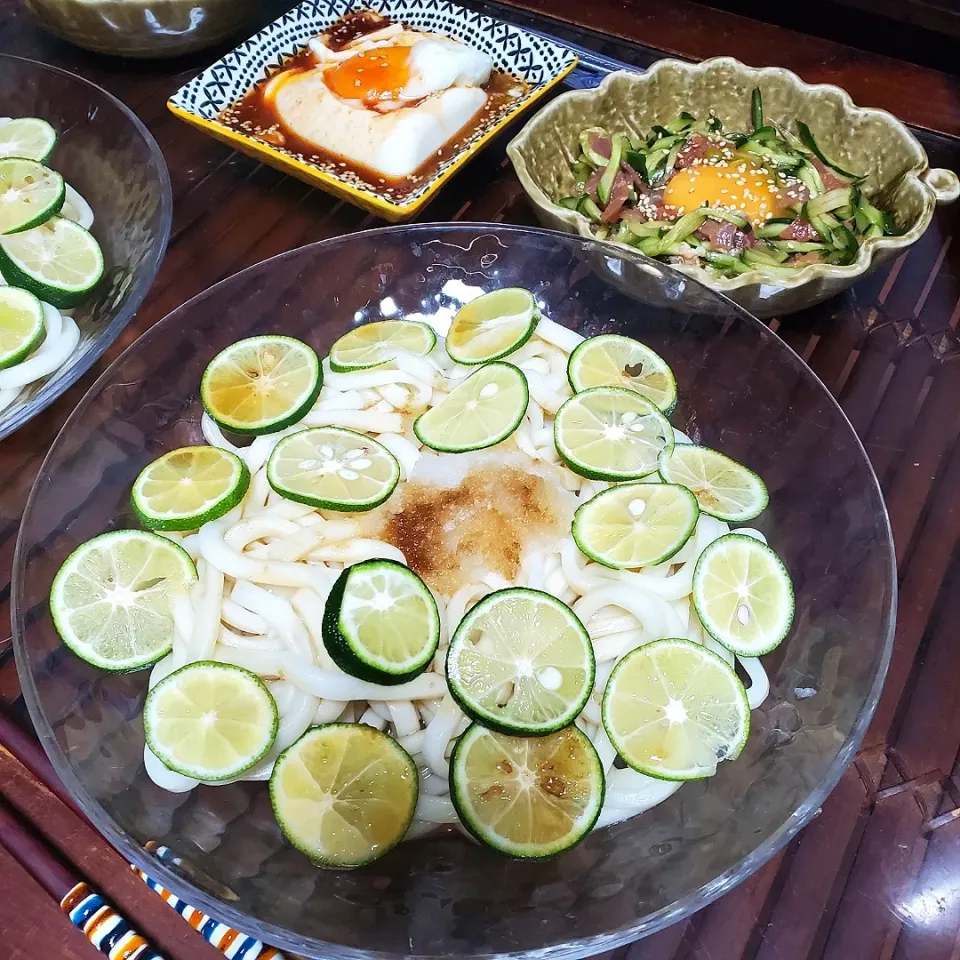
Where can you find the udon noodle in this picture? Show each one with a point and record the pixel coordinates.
(266, 568)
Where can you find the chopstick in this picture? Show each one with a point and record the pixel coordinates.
(86, 909)
(30, 784)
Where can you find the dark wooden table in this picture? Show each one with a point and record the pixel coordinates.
(877, 873)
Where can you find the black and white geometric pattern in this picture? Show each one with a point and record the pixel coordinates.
(535, 59)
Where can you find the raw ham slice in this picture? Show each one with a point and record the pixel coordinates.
(725, 236)
(635, 215)
(593, 181)
(695, 148)
(600, 145)
(803, 259)
(619, 191)
(799, 230)
(830, 179)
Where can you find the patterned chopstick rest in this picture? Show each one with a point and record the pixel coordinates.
(106, 929)
(231, 943)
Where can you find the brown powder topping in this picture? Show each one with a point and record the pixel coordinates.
(485, 523)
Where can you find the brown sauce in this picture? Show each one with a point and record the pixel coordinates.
(258, 120)
(354, 25)
(448, 534)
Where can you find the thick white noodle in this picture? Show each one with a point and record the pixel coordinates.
(76, 208)
(267, 567)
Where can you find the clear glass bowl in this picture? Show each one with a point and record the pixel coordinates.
(742, 389)
(143, 28)
(109, 156)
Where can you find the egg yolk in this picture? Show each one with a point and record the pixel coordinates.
(740, 185)
(373, 75)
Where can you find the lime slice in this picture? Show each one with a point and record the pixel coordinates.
(344, 794)
(21, 325)
(210, 721)
(521, 662)
(381, 622)
(185, 488)
(111, 599)
(375, 343)
(27, 137)
(527, 797)
(261, 384)
(59, 261)
(608, 433)
(635, 524)
(492, 326)
(673, 709)
(724, 488)
(334, 469)
(743, 595)
(30, 194)
(614, 361)
(483, 410)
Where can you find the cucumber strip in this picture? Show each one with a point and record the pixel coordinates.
(809, 176)
(798, 246)
(652, 228)
(636, 160)
(756, 108)
(782, 160)
(785, 270)
(650, 246)
(687, 224)
(806, 136)
(625, 235)
(845, 241)
(723, 261)
(771, 229)
(671, 160)
(761, 258)
(581, 173)
(588, 208)
(832, 200)
(682, 122)
(613, 165)
(727, 216)
(570, 203)
(824, 226)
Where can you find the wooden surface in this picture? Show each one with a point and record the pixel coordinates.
(877, 874)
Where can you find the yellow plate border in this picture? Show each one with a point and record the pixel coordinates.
(370, 201)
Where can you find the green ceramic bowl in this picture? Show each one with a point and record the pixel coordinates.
(865, 140)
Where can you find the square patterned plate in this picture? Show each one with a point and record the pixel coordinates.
(537, 60)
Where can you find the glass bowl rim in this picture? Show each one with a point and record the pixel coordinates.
(280, 937)
(107, 335)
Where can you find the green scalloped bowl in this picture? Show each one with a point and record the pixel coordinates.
(866, 140)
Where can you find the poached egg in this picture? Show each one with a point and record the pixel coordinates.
(408, 73)
(739, 184)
